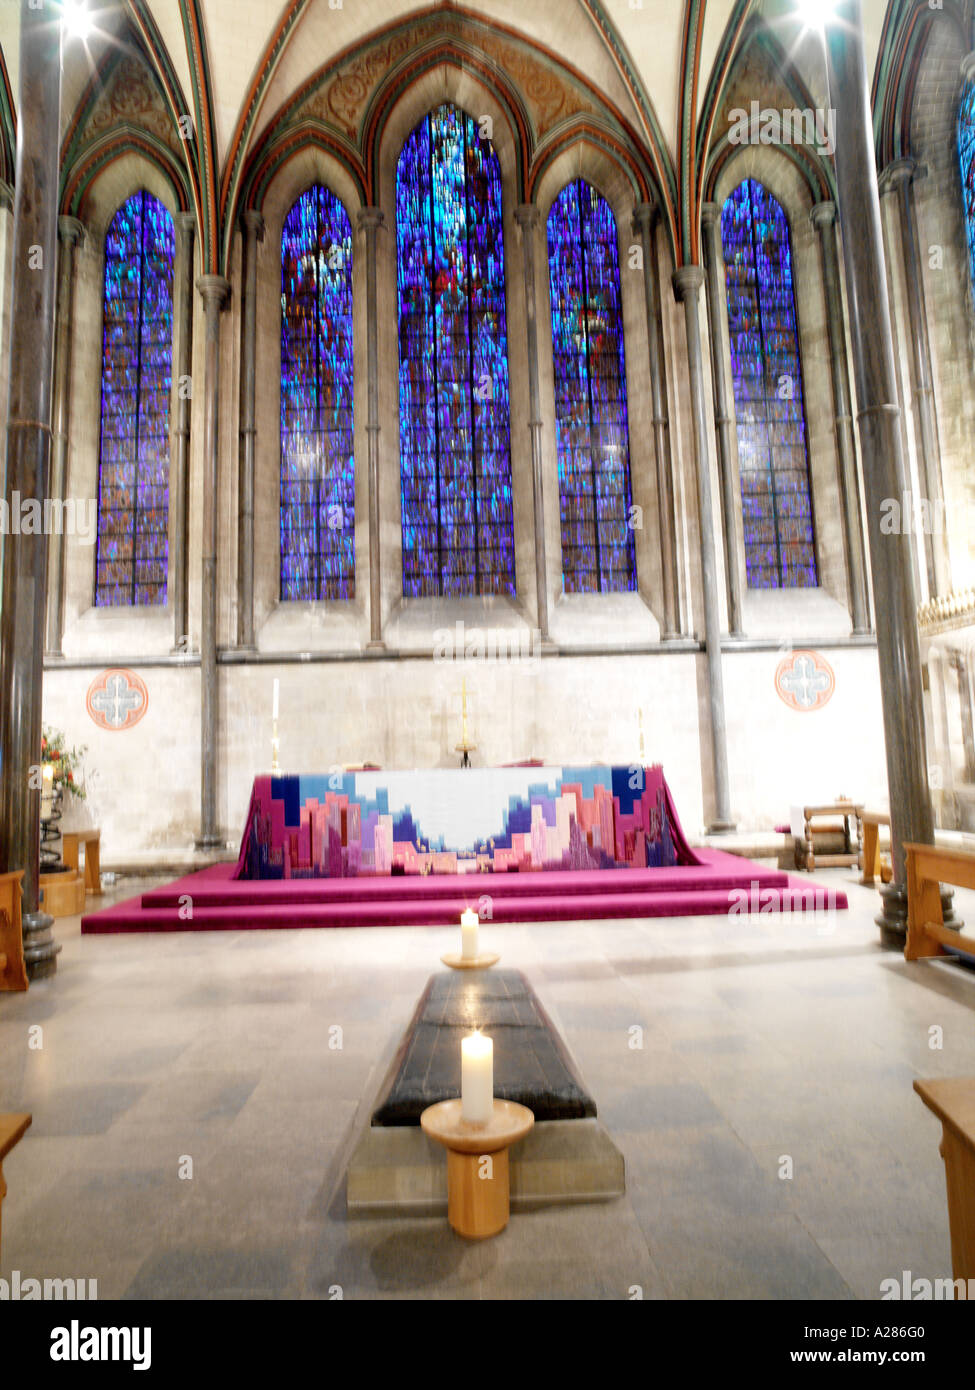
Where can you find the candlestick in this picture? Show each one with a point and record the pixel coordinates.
(477, 1078)
(469, 922)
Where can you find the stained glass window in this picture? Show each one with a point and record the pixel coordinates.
(966, 157)
(590, 393)
(772, 450)
(137, 351)
(455, 459)
(317, 462)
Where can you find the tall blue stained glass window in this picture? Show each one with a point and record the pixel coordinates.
(966, 158)
(317, 461)
(137, 353)
(455, 457)
(769, 401)
(590, 394)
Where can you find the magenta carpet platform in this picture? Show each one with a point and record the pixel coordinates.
(213, 900)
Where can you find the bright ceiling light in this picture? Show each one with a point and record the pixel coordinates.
(78, 22)
(816, 14)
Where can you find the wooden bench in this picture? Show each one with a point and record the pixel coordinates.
(953, 1101)
(927, 868)
(12, 1130)
(91, 839)
(13, 972)
(871, 821)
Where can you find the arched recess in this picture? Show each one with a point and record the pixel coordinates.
(105, 189)
(614, 179)
(286, 625)
(465, 90)
(788, 182)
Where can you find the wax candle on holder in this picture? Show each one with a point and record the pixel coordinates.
(476, 1078)
(468, 934)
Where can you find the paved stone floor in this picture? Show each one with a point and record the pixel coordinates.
(764, 1039)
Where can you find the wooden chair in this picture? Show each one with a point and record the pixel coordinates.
(12, 1130)
(13, 972)
(91, 839)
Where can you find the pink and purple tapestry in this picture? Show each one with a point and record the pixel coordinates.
(451, 821)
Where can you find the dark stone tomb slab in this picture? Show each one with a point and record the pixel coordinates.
(531, 1063)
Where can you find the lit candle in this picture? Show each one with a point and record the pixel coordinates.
(476, 1078)
(274, 703)
(468, 934)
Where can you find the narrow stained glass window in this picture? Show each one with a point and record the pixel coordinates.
(769, 400)
(133, 461)
(966, 158)
(455, 459)
(317, 461)
(590, 394)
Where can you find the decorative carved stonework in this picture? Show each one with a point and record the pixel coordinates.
(131, 97)
(947, 613)
(343, 99)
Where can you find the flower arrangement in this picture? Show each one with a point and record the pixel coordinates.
(66, 762)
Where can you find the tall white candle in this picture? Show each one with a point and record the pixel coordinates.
(476, 1078)
(274, 703)
(468, 934)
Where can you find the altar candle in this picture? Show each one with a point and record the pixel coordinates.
(476, 1078)
(468, 934)
(274, 703)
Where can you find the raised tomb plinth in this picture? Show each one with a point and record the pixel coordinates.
(947, 634)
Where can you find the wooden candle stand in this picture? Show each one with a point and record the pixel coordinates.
(477, 1163)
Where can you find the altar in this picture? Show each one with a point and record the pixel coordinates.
(456, 821)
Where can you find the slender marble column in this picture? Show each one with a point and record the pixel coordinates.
(824, 220)
(23, 619)
(253, 233)
(901, 175)
(527, 217)
(882, 452)
(70, 233)
(183, 326)
(644, 221)
(687, 284)
(214, 290)
(370, 220)
(717, 311)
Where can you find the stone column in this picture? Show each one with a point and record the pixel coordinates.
(687, 284)
(644, 221)
(824, 220)
(23, 619)
(214, 290)
(253, 233)
(717, 312)
(183, 329)
(901, 175)
(882, 452)
(370, 220)
(527, 217)
(70, 232)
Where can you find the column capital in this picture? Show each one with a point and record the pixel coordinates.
(6, 195)
(527, 216)
(370, 217)
(968, 66)
(71, 231)
(645, 216)
(253, 223)
(214, 289)
(687, 280)
(823, 215)
(899, 171)
(710, 214)
(185, 221)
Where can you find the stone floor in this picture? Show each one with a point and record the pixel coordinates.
(257, 1056)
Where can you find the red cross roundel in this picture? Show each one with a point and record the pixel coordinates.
(117, 699)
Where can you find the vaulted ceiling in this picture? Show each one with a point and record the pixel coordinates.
(250, 74)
